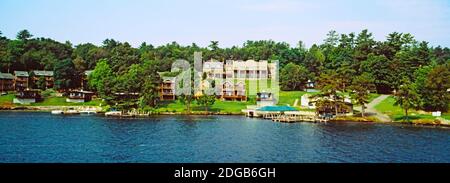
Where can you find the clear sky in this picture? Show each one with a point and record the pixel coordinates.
(230, 22)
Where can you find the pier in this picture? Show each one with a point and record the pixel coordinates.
(294, 116)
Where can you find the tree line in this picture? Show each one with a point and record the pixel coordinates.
(342, 61)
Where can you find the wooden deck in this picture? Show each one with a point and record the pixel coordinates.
(292, 118)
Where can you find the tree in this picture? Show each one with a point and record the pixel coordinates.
(152, 80)
(314, 60)
(122, 57)
(40, 83)
(100, 76)
(383, 72)
(24, 35)
(187, 96)
(364, 45)
(293, 77)
(5, 61)
(332, 38)
(65, 75)
(361, 87)
(149, 95)
(330, 88)
(206, 101)
(411, 58)
(434, 94)
(407, 97)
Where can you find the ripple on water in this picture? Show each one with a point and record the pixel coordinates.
(41, 137)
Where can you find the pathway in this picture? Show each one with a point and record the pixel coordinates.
(370, 109)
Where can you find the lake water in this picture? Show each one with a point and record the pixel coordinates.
(42, 137)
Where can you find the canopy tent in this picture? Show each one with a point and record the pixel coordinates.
(276, 108)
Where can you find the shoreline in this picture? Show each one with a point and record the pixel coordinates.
(42, 109)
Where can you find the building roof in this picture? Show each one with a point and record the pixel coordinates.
(250, 65)
(21, 73)
(6, 76)
(213, 65)
(277, 108)
(43, 73)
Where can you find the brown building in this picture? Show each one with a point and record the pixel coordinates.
(79, 96)
(28, 96)
(167, 89)
(6, 82)
(48, 76)
(21, 80)
(233, 92)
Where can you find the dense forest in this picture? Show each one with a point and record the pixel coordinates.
(343, 62)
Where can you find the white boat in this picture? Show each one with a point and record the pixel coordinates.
(57, 112)
(113, 113)
(88, 112)
(71, 111)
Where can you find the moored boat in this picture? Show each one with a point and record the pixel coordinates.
(88, 112)
(71, 111)
(113, 113)
(57, 112)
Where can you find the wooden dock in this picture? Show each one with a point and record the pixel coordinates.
(292, 118)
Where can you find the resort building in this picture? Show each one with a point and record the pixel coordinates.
(21, 80)
(272, 69)
(232, 91)
(249, 69)
(27, 96)
(213, 69)
(6, 82)
(79, 96)
(48, 76)
(238, 69)
(218, 71)
(167, 88)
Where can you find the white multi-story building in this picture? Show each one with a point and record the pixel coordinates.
(238, 69)
(213, 69)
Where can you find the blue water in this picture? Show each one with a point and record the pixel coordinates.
(42, 137)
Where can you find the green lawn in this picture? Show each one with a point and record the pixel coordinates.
(397, 113)
(50, 100)
(288, 97)
(219, 106)
(61, 101)
(6, 99)
(257, 84)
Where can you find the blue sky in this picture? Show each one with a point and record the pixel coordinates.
(230, 22)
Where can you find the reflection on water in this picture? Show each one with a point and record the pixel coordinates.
(41, 137)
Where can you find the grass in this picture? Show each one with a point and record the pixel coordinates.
(397, 113)
(288, 97)
(6, 99)
(49, 101)
(257, 84)
(61, 101)
(218, 106)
